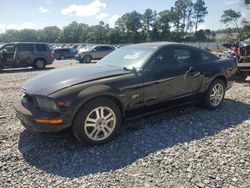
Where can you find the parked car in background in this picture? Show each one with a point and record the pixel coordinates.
(64, 53)
(86, 55)
(24, 54)
(240, 51)
(92, 100)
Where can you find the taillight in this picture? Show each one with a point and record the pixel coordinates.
(51, 54)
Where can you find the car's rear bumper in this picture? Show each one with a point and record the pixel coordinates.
(27, 118)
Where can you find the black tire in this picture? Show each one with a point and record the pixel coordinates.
(207, 103)
(39, 64)
(87, 59)
(81, 61)
(241, 76)
(62, 58)
(80, 128)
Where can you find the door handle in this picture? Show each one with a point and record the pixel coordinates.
(192, 72)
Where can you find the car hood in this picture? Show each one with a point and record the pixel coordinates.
(55, 80)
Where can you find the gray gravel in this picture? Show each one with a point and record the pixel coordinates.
(187, 147)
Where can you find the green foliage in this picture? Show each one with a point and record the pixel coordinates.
(200, 11)
(231, 17)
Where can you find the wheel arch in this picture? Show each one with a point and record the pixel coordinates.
(99, 91)
(38, 58)
(221, 77)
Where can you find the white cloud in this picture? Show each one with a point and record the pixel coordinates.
(232, 2)
(25, 25)
(91, 9)
(101, 16)
(113, 19)
(43, 10)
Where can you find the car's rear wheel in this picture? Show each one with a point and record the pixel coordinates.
(62, 58)
(215, 94)
(98, 122)
(39, 64)
(87, 59)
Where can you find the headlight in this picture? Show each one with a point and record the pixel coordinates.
(47, 104)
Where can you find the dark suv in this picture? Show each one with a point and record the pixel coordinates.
(14, 55)
(64, 53)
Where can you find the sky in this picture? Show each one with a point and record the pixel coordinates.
(37, 14)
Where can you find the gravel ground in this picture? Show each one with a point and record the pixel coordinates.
(187, 147)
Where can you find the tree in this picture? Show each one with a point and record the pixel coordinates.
(73, 32)
(148, 19)
(181, 15)
(231, 17)
(200, 35)
(50, 34)
(162, 24)
(130, 23)
(200, 11)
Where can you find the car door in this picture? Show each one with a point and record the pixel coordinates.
(96, 52)
(196, 71)
(24, 55)
(164, 77)
(8, 53)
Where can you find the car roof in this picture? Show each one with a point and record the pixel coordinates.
(158, 44)
(15, 43)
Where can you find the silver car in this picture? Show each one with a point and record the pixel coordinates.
(93, 53)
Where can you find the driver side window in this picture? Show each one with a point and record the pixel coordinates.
(171, 59)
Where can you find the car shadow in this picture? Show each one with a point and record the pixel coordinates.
(66, 158)
(23, 70)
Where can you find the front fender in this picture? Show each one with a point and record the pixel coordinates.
(97, 91)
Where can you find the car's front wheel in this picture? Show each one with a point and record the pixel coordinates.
(98, 122)
(215, 94)
(87, 59)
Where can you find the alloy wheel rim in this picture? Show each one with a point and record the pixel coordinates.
(39, 64)
(100, 123)
(217, 95)
(87, 59)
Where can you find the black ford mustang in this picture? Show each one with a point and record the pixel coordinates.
(93, 100)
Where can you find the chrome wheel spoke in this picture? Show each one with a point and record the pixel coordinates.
(104, 131)
(93, 132)
(91, 120)
(108, 116)
(110, 120)
(97, 133)
(90, 125)
(107, 128)
(97, 112)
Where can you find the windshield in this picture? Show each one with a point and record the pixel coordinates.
(128, 57)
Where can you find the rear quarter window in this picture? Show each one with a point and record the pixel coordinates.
(203, 57)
